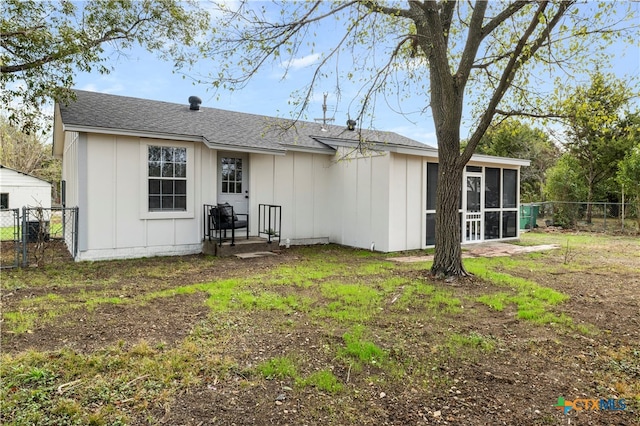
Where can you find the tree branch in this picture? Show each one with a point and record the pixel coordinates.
(516, 61)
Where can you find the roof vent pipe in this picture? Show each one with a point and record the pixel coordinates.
(194, 103)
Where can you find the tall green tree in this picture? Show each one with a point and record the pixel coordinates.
(599, 127)
(513, 138)
(479, 57)
(28, 153)
(565, 182)
(628, 176)
(43, 43)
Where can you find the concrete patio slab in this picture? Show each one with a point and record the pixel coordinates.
(493, 249)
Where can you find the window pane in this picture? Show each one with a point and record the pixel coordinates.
(167, 154)
(509, 224)
(238, 188)
(154, 187)
(492, 188)
(432, 183)
(225, 187)
(167, 187)
(509, 182)
(431, 229)
(491, 225)
(154, 153)
(154, 202)
(180, 203)
(180, 187)
(154, 168)
(474, 169)
(180, 155)
(180, 170)
(167, 170)
(167, 202)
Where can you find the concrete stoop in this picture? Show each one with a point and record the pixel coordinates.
(242, 246)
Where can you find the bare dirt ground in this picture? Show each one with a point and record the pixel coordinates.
(516, 384)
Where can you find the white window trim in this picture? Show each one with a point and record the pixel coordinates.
(189, 213)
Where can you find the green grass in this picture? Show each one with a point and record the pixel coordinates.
(323, 380)
(421, 294)
(278, 368)
(533, 301)
(333, 323)
(348, 302)
(361, 350)
(467, 346)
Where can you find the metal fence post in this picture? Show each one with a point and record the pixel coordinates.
(25, 213)
(604, 224)
(75, 233)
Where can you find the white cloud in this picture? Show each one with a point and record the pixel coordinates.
(103, 85)
(305, 61)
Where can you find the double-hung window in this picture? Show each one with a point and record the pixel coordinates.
(167, 178)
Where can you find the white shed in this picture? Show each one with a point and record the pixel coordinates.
(19, 190)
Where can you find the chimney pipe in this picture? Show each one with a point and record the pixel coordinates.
(194, 103)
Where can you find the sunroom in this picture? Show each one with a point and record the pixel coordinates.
(489, 203)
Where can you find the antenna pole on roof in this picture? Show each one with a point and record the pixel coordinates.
(324, 118)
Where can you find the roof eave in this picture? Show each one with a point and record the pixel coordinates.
(311, 150)
(169, 136)
(482, 158)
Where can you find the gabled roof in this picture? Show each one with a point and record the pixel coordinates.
(21, 175)
(221, 129)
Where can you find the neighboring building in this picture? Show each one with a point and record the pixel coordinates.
(19, 190)
(140, 172)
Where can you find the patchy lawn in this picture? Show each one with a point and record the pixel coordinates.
(326, 336)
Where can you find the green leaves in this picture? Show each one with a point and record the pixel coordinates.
(45, 43)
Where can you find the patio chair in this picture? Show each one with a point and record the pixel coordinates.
(222, 218)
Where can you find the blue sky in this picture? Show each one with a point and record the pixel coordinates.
(140, 74)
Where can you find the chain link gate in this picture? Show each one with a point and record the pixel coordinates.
(49, 235)
(10, 238)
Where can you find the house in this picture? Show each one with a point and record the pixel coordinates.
(141, 171)
(19, 190)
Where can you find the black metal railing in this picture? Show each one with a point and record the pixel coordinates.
(219, 219)
(269, 221)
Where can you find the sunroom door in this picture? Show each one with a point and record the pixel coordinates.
(472, 230)
(233, 182)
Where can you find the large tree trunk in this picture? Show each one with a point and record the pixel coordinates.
(448, 254)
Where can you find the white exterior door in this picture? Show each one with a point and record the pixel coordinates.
(233, 180)
(472, 230)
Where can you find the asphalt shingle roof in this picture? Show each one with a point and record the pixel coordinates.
(215, 126)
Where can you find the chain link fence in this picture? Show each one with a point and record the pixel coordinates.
(10, 238)
(38, 236)
(594, 217)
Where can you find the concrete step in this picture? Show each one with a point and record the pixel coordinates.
(242, 245)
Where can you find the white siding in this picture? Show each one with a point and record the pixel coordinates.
(24, 190)
(406, 201)
(298, 182)
(360, 200)
(118, 224)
